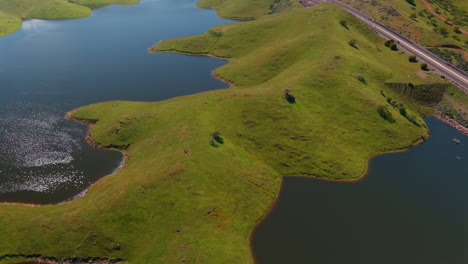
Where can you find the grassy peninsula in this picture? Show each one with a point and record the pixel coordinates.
(13, 12)
(308, 98)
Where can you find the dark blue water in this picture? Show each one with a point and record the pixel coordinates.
(411, 208)
(51, 67)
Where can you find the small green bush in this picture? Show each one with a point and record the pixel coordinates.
(444, 32)
(385, 114)
(353, 43)
(215, 34)
(388, 43)
(424, 67)
(216, 139)
(362, 79)
(403, 111)
(413, 59)
(288, 96)
(344, 24)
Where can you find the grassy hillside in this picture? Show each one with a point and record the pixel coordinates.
(13, 11)
(185, 197)
(415, 21)
(248, 9)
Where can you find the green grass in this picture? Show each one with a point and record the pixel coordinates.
(13, 11)
(454, 10)
(9, 23)
(178, 197)
(397, 15)
(247, 9)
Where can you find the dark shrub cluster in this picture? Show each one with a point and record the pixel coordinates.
(344, 24)
(353, 43)
(362, 79)
(411, 2)
(385, 113)
(288, 96)
(216, 139)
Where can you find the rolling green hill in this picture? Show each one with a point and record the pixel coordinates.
(248, 9)
(12, 12)
(417, 22)
(203, 169)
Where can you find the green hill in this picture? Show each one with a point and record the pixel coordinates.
(417, 22)
(190, 195)
(13, 11)
(248, 9)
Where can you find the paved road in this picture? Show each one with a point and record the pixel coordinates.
(453, 74)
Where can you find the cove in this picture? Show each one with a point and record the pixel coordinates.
(411, 207)
(51, 67)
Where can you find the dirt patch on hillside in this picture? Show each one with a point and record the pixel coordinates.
(431, 9)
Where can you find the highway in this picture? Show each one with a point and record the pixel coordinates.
(436, 63)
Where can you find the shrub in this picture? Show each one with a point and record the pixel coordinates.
(385, 114)
(214, 33)
(394, 47)
(362, 79)
(388, 43)
(288, 96)
(403, 111)
(413, 59)
(412, 119)
(457, 30)
(413, 16)
(444, 32)
(411, 2)
(353, 43)
(344, 24)
(424, 67)
(391, 101)
(216, 138)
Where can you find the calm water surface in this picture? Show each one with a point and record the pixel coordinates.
(412, 208)
(51, 67)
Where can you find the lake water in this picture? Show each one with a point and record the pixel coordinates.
(411, 208)
(51, 67)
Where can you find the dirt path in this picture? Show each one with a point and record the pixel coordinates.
(431, 9)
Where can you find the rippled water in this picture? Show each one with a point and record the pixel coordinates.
(51, 67)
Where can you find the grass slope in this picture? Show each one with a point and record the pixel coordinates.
(13, 11)
(247, 9)
(423, 27)
(181, 200)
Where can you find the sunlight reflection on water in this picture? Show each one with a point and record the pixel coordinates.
(34, 140)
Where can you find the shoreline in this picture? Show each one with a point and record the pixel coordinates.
(93, 143)
(213, 72)
(451, 122)
(364, 175)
